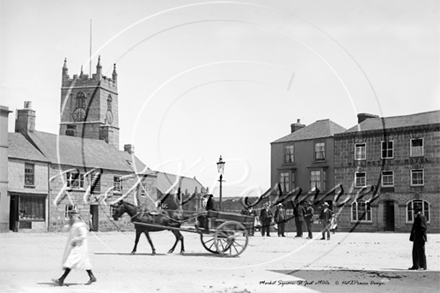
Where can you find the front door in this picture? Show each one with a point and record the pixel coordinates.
(389, 215)
(13, 214)
(94, 217)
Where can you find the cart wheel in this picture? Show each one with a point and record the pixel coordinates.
(231, 238)
(208, 241)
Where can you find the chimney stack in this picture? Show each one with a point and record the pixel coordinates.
(364, 116)
(296, 126)
(129, 148)
(25, 120)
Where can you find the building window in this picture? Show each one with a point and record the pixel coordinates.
(387, 178)
(68, 209)
(422, 205)
(32, 208)
(360, 179)
(289, 154)
(80, 100)
(285, 181)
(109, 103)
(360, 151)
(112, 211)
(387, 149)
(143, 186)
(320, 151)
(315, 179)
(117, 183)
(417, 147)
(318, 179)
(361, 211)
(417, 177)
(75, 180)
(29, 174)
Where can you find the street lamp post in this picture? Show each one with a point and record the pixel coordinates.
(220, 169)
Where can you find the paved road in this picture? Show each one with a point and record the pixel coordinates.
(357, 262)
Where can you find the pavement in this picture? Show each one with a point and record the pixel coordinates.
(348, 262)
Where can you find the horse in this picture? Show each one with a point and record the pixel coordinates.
(163, 218)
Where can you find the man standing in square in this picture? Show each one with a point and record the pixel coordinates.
(418, 237)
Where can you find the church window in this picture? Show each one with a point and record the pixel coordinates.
(80, 100)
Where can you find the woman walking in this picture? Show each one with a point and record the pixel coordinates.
(76, 254)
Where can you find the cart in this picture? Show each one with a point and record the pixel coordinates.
(220, 232)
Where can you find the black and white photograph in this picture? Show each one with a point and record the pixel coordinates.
(238, 146)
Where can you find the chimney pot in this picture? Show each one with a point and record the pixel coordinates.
(296, 126)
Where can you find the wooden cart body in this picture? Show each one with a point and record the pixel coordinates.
(221, 233)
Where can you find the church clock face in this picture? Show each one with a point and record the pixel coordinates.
(79, 114)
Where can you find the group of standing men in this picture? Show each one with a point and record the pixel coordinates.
(302, 212)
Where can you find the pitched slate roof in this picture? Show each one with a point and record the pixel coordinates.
(135, 164)
(418, 119)
(76, 151)
(166, 180)
(318, 129)
(21, 148)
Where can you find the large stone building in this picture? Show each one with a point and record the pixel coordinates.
(81, 167)
(399, 157)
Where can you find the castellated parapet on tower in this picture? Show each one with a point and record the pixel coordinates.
(85, 80)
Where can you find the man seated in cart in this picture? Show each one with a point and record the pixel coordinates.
(208, 205)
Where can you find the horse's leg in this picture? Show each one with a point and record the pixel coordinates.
(182, 246)
(138, 234)
(179, 237)
(151, 242)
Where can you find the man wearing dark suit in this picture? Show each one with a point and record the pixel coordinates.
(308, 216)
(266, 219)
(208, 205)
(418, 237)
(299, 212)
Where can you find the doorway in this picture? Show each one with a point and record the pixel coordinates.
(389, 215)
(94, 217)
(13, 214)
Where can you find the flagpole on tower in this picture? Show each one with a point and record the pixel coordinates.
(90, 53)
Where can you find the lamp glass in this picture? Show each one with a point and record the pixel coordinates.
(221, 165)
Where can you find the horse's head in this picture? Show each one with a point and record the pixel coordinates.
(118, 210)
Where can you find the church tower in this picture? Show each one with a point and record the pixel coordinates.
(89, 105)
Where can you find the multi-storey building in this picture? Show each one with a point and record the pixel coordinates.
(304, 159)
(79, 168)
(399, 157)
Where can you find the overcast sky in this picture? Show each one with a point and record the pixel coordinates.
(200, 79)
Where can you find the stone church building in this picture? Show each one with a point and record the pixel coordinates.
(47, 175)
